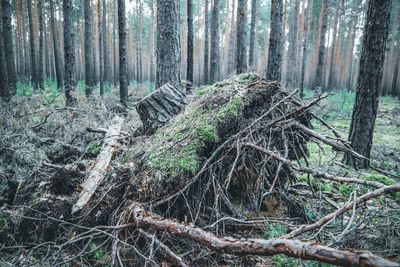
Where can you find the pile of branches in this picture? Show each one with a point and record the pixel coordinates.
(170, 191)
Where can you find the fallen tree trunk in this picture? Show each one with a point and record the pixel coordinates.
(159, 107)
(96, 175)
(262, 247)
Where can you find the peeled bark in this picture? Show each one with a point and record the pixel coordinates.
(159, 107)
(369, 80)
(168, 45)
(274, 68)
(262, 247)
(241, 37)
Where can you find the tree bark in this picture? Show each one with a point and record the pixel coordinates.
(4, 90)
(69, 52)
(369, 81)
(206, 43)
(34, 78)
(106, 59)
(307, 22)
(292, 68)
(123, 63)
(101, 60)
(41, 45)
(8, 45)
(168, 45)
(89, 62)
(262, 247)
(395, 91)
(56, 44)
(241, 23)
(274, 68)
(159, 107)
(190, 43)
(318, 82)
(253, 25)
(214, 60)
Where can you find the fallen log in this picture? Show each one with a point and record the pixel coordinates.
(99, 170)
(262, 247)
(159, 107)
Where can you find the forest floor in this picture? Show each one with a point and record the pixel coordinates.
(42, 119)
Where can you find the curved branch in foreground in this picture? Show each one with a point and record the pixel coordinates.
(262, 247)
(364, 198)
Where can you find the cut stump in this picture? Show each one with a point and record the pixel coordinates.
(159, 107)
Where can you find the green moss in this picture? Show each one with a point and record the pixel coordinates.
(206, 90)
(231, 109)
(207, 133)
(94, 148)
(378, 178)
(273, 229)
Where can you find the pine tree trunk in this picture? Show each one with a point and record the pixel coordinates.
(140, 42)
(89, 66)
(307, 22)
(69, 52)
(190, 43)
(241, 37)
(331, 77)
(274, 68)
(369, 80)
(168, 46)
(106, 67)
(153, 20)
(253, 25)
(8, 45)
(34, 78)
(56, 43)
(4, 85)
(41, 45)
(318, 82)
(292, 73)
(114, 41)
(123, 63)
(206, 43)
(101, 37)
(214, 60)
(395, 91)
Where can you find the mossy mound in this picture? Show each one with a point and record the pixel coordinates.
(168, 159)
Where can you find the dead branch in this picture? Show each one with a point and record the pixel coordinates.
(364, 198)
(262, 247)
(95, 177)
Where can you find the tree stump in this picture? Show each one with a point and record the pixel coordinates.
(159, 107)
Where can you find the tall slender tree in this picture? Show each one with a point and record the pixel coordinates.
(34, 77)
(168, 46)
(8, 45)
(369, 81)
(206, 42)
(307, 22)
(89, 66)
(214, 60)
(106, 64)
(101, 60)
(69, 52)
(274, 68)
(241, 30)
(253, 25)
(123, 63)
(56, 45)
(41, 45)
(190, 44)
(4, 85)
(292, 67)
(318, 82)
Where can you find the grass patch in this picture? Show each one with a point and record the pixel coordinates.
(273, 229)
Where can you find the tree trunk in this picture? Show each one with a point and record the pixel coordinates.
(153, 20)
(140, 42)
(8, 45)
(307, 24)
(292, 73)
(123, 63)
(253, 41)
(214, 60)
(206, 42)
(318, 82)
(241, 28)
(89, 66)
(101, 60)
(159, 107)
(274, 67)
(190, 43)
(332, 73)
(69, 52)
(54, 34)
(106, 67)
(41, 45)
(395, 91)
(34, 78)
(114, 41)
(4, 90)
(168, 46)
(369, 80)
